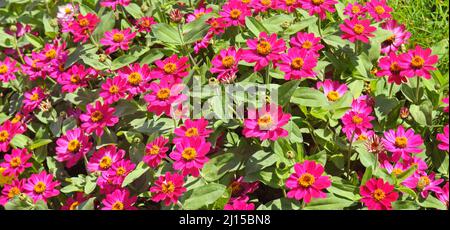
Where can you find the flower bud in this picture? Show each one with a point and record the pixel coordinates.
(176, 16)
(13, 28)
(404, 113)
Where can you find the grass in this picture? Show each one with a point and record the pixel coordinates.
(427, 20)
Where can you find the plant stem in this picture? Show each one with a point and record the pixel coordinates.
(319, 25)
(267, 80)
(418, 89)
(349, 154)
(18, 50)
(390, 90)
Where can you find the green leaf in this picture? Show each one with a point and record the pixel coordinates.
(37, 42)
(87, 205)
(259, 161)
(281, 204)
(404, 175)
(20, 141)
(107, 22)
(255, 27)
(123, 61)
(39, 143)
(195, 30)
(432, 202)
(285, 92)
(367, 175)
(141, 168)
(204, 195)
(91, 183)
(408, 191)
(167, 34)
(309, 97)
(422, 114)
(367, 159)
(134, 10)
(329, 203)
(219, 165)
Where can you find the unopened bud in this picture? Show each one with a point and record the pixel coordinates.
(290, 155)
(102, 58)
(404, 113)
(285, 24)
(176, 16)
(13, 28)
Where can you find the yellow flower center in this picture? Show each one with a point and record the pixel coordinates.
(290, 2)
(423, 182)
(357, 119)
(198, 15)
(245, 1)
(306, 180)
(297, 63)
(167, 187)
(40, 187)
(105, 162)
(307, 45)
(228, 61)
(390, 39)
(358, 28)
(191, 132)
(378, 194)
(3, 69)
(134, 78)
(117, 206)
(15, 162)
(154, 150)
(355, 9)
(34, 97)
(235, 13)
(4, 135)
(263, 48)
(163, 94)
(96, 116)
(266, 2)
(417, 62)
(395, 67)
(317, 2)
(379, 10)
(121, 171)
(189, 154)
(401, 142)
(170, 68)
(397, 171)
(265, 121)
(113, 89)
(68, 10)
(16, 118)
(118, 37)
(75, 78)
(73, 146)
(51, 54)
(362, 137)
(333, 95)
(14, 191)
(74, 205)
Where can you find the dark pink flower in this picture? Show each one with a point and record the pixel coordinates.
(16, 162)
(11, 190)
(172, 67)
(307, 41)
(41, 186)
(378, 195)
(355, 10)
(72, 146)
(114, 3)
(355, 29)
(7, 69)
(120, 199)
(234, 13)
(118, 171)
(163, 96)
(399, 36)
(266, 123)
(298, 64)
(117, 39)
(75, 77)
(113, 89)
(333, 90)
(72, 203)
(7, 132)
(32, 99)
(424, 183)
(263, 50)
(137, 78)
(390, 67)
(418, 62)
(104, 158)
(379, 10)
(98, 117)
(190, 155)
(226, 62)
(155, 151)
(239, 205)
(402, 143)
(320, 7)
(192, 129)
(443, 138)
(144, 24)
(168, 188)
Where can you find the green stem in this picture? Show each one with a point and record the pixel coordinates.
(267, 80)
(18, 50)
(319, 25)
(390, 90)
(418, 90)
(349, 154)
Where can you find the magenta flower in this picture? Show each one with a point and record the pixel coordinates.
(379, 10)
(355, 29)
(354, 10)
(234, 13)
(443, 138)
(263, 50)
(11, 190)
(75, 77)
(144, 24)
(288, 5)
(120, 199)
(198, 13)
(402, 143)
(82, 27)
(118, 171)
(104, 158)
(163, 97)
(72, 146)
(239, 205)
(117, 39)
(240, 189)
(41, 186)
(203, 43)
(7, 69)
(137, 78)
(172, 67)
(73, 202)
(155, 151)
(297, 64)
(113, 89)
(114, 3)
(424, 183)
(307, 181)
(418, 62)
(226, 62)
(357, 119)
(16, 162)
(190, 155)
(33, 67)
(192, 129)
(443, 196)
(320, 7)
(261, 5)
(266, 123)
(168, 188)
(32, 99)
(390, 67)
(98, 117)
(333, 90)
(217, 25)
(399, 36)
(378, 195)
(307, 41)
(7, 132)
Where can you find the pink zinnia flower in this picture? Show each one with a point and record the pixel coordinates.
(82, 27)
(7, 132)
(354, 10)
(234, 13)
(307, 41)
(443, 196)
(333, 90)
(240, 189)
(389, 66)
(155, 151)
(98, 117)
(203, 43)
(402, 143)
(198, 13)
(443, 138)
(33, 67)
(72, 146)
(66, 12)
(168, 188)
(33, 98)
(239, 205)
(172, 67)
(319, 6)
(297, 64)
(114, 3)
(7, 69)
(418, 62)
(358, 118)
(226, 62)
(163, 96)
(11, 190)
(399, 36)
(262, 5)
(355, 29)
(218, 25)
(75, 77)
(113, 89)
(120, 199)
(104, 158)
(118, 171)
(192, 129)
(263, 50)
(307, 181)
(117, 39)
(73, 202)
(137, 78)
(16, 162)
(379, 9)
(266, 123)
(144, 24)
(190, 155)
(424, 183)
(378, 195)
(41, 186)
(288, 5)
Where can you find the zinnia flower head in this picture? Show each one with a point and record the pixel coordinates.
(443, 138)
(203, 43)
(358, 118)
(164, 96)
(190, 155)
(120, 199)
(97, 117)
(445, 100)
(399, 36)
(307, 41)
(11, 190)
(168, 188)
(402, 143)
(118, 171)
(234, 13)
(192, 129)
(82, 27)
(239, 204)
(262, 5)
(423, 183)
(117, 39)
(73, 202)
(7, 132)
(217, 25)
(137, 78)
(390, 67)
(378, 195)
(172, 67)
(113, 89)
(443, 196)
(8, 69)
(354, 10)
(288, 5)
(263, 50)
(198, 13)
(32, 99)
(226, 62)
(333, 90)
(355, 29)
(16, 162)
(66, 12)
(75, 77)
(114, 3)
(379, 10)
(418, 62)
(144, 24)
(104, 158)
(41, 186)
(72, 146)
(240, 189)
(266, 122)
(298, 64)
(307, 181)
(320, 7)
(155, 151)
